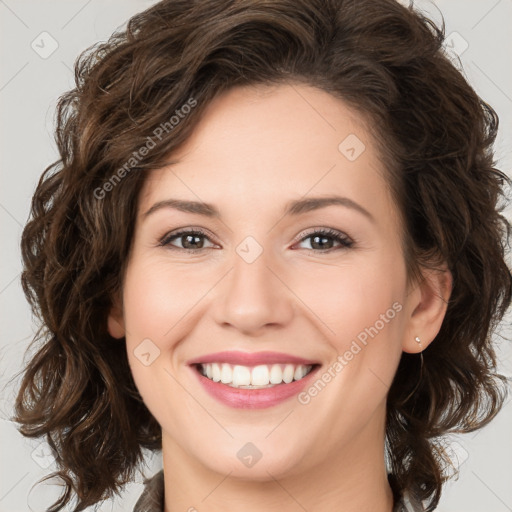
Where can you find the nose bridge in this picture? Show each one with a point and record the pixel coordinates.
(253, 296)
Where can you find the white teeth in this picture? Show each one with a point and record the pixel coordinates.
(276, 374)
(288, 372)
(226, 374)
(241, 376)
(260, 376)
(215, 373)
(263, 375)
(300, 371)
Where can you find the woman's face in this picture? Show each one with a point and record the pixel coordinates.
(262, 295)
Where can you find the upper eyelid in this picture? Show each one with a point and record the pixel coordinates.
(327, 231)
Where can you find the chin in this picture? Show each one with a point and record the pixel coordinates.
(249, 460)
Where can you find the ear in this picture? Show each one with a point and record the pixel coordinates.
(428, 302)
(115, 319)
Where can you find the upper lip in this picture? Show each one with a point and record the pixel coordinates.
(250, 358)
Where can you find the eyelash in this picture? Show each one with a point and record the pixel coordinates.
(344, 241)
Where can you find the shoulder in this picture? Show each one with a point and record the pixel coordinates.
(407, 503)
(152, 498)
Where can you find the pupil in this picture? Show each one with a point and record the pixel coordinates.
(188, 237)
(320, 243)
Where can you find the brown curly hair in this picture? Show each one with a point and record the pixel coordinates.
(435, 136)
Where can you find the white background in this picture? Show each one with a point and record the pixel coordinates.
(29, 88)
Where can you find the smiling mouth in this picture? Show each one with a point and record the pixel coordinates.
(254, 377)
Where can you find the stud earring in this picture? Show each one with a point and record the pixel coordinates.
(417, 340)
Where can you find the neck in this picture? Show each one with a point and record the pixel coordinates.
(353, 479)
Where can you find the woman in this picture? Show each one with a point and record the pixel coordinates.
(273, 249)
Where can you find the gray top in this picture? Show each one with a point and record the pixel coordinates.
(152, 498)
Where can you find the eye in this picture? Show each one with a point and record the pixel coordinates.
(191, 240)
(321, 240)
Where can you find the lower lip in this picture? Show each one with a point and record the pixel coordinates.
(253, 398)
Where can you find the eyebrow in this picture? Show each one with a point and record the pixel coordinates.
(294, 207)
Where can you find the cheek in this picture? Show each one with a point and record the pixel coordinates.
(156, 302)
(163, 303)
(344, 300)
(359, 308)
(157, 299)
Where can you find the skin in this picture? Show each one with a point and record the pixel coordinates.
(255, 149)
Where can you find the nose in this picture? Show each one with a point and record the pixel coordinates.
(254, 297)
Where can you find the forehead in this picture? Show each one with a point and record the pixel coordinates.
(259, 145)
